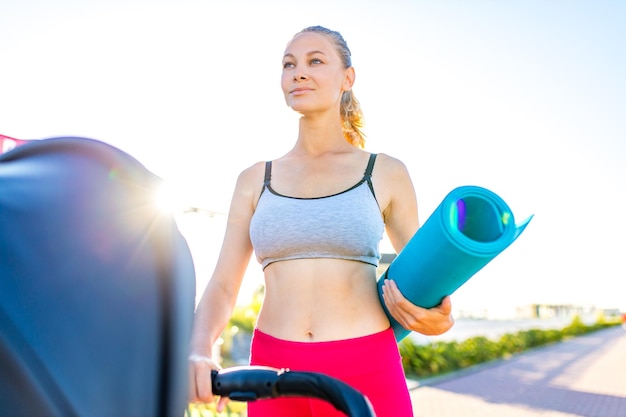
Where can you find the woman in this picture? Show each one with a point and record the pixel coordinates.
(314, 218)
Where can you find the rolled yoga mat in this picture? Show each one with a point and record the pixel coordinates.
(471, 226)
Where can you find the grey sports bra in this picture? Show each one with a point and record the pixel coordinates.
(347, 225)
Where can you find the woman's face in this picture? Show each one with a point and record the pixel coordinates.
(313, 76)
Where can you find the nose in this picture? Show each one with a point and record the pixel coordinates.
(300, 76)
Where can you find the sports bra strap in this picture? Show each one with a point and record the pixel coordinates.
(367, 176)
(268, 173)
(368, 173)
(370, 167)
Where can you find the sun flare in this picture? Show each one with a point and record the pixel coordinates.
(169, 199)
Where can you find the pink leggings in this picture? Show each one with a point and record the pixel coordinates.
(371, 364)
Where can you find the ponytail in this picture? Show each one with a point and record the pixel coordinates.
(352, 119)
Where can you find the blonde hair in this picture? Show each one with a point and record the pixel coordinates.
(350, 109)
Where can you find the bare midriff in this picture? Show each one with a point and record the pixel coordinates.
(315, 300)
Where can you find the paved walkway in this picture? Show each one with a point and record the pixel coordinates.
(585, 376)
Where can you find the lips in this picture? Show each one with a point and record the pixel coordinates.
(300, 90)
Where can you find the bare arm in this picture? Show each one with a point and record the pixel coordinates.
(218, 300)
(401, 219)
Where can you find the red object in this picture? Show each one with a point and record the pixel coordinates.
(341, 359)
(7, 143)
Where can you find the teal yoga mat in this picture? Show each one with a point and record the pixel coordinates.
(470, 227)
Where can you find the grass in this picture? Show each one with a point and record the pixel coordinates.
(233, 409)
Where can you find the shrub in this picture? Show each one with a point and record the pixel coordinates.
(477, 350)
(441, 357)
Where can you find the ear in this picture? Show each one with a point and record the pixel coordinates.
(349, 80)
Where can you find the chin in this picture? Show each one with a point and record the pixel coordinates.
(303, 108)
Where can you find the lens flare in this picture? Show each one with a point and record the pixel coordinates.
(168, 198)
(461, 214)
(113, 173)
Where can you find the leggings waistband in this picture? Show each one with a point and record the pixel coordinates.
(376, 349)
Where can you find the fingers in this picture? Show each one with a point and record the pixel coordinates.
(200, 368)
(203, 381)
(397, 300)
(445, 311)
(397, 305)
(446, 306)
(433, 321)
(221, 404)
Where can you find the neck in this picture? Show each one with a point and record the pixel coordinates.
(318, 135)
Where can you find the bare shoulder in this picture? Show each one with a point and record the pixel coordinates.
(392, 185)
(252, 174)
(250, 182)
(391, 167)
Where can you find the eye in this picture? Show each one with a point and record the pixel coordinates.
(315, 61)
(288, 65)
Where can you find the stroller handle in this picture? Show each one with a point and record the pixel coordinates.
(251, 383)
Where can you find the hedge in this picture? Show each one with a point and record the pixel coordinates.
(439, 357)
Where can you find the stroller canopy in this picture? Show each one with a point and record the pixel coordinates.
(96, 285)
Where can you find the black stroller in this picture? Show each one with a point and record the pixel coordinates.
(97, 290)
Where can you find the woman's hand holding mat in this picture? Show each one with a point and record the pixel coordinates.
(471, 226)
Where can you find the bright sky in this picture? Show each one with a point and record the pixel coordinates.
(526, 98)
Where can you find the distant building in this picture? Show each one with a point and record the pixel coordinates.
(383, 264)
(564, 311)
